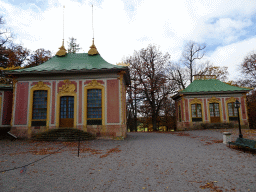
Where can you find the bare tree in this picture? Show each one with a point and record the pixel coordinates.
(177, 74)
(191, 53)
(133, 94)
(150, 66)
(248, 70)
(221, 73)
(5, 38)
(73, 47)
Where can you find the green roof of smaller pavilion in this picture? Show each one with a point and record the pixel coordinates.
(211, 85)
(70, 62)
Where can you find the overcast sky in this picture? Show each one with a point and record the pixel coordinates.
(227, 27)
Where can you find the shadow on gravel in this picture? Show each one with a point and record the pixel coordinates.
(242, 150)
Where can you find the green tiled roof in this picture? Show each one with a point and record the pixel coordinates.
(210, 85)
(71, 62)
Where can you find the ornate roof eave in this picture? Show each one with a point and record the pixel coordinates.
(176, 96)
(104, 70)
(66, 71)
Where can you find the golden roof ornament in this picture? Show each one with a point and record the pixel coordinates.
(93, 50)
(62, 52)
(123, 64)
(11, 68)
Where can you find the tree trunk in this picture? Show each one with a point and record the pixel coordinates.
(135, 123)
(154, 122)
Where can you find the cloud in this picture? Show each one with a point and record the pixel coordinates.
(121, 26)
(232, 56)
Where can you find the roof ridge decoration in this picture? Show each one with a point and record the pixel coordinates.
(62, 52)
(93, 50)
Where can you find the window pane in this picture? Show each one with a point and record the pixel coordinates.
(94, 109)
(232, 111)
(39, 104)
(193, 109)
(216, 109)
(211, 110)
(199, 111)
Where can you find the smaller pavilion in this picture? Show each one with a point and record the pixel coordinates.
(208, 100)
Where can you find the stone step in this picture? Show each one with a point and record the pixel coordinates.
(63, 135)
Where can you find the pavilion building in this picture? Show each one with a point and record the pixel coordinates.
(208, 100)
(79, 90)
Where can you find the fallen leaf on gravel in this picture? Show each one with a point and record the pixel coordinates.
(210, 185)
(182, 134)
(113, 150)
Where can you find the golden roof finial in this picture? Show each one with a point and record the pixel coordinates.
(123, 64)
(93, 50)
(62, 52)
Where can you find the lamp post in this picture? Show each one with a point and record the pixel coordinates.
(237, 106)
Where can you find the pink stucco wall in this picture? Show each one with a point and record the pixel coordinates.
(205, 110)
(224, 110)
(186, 110)
(113, 101)
(53, 101)
(80, 103)
(182, 110)
(124, 103)
(7, 108)
(21, 103)
(243, 108)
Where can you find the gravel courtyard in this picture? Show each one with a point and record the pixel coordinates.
(182, 161)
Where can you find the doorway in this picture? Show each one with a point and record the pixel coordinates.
(67, 111)
(214, 112)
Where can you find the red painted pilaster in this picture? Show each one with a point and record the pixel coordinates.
(80, 103)
(113, 101)
(182, 110)
(224, 110)
(187, 110)
(7, 108)
(243, 108)
(53, 101)
(21, 107)
(205, 110)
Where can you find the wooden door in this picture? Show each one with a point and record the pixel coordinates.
(214, 112)
(67, 111)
